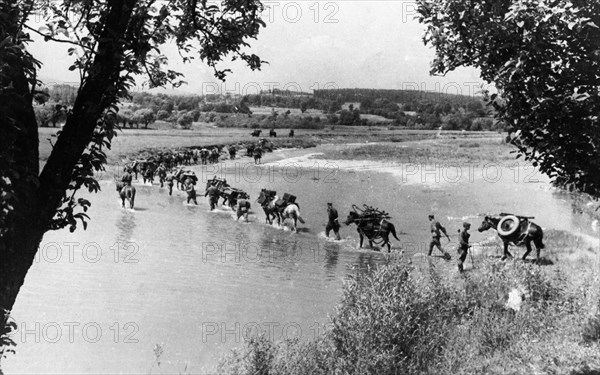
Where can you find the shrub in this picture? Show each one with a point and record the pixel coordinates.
(162, 115)
(591, 329)
(7, 329)
(185, 120)
(396, 320)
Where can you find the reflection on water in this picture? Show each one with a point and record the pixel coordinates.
(125, 226)
(331, 258)
(189, 278)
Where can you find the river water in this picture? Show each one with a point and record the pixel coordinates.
(197, 283)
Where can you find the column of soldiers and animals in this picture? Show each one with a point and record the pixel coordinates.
(371, 223)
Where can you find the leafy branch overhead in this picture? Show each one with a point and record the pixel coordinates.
(111, 43)
(543, 56)
(198, 29)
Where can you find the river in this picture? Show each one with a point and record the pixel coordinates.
(197, 283)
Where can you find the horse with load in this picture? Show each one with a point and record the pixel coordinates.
(281, 209)
(372, 224)
(515, 230)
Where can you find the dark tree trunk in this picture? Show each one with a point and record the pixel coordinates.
(36, 199)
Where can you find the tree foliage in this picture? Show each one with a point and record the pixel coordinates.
(111, 43)
(543, 56)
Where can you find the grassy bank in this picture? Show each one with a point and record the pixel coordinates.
(396, 321)
(435, 150)
(131, 142)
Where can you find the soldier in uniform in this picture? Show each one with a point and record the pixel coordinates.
(332, 223)
(191, 192)
(170, 183)
(436, 230)
(463, 246)
(213, 196)
(257, 153)
(126, 178)
(243, 205)
(161, 171)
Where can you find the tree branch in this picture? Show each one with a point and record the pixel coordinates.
(46, 36)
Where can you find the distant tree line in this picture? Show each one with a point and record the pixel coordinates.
(406, 108)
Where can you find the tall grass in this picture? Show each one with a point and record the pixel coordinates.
(394, 320)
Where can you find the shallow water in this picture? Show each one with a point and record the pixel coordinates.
(197, 282)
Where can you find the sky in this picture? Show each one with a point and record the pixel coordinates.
(312, 45)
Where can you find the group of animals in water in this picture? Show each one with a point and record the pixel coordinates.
(372, 224)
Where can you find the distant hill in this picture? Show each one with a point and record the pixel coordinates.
(394, 96)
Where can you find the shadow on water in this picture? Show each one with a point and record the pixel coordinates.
(125, 226)
(331, 257)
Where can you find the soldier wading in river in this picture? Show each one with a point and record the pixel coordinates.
(463, 247)
(436, 230)
(213, 196)
(333, 222)
(191, 192)
(243, 206)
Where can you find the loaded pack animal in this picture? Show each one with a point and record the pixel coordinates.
(265, 145)
(256, 133)
(267, 199)
(515, 230)
(232, 195)
(288, 209)
(126, 192)
(291, 211)
(372, 224)
(272, 133)
(178, 177)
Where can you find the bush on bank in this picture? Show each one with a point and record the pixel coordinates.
(395, 320)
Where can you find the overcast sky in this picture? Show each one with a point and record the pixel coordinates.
(314, 44)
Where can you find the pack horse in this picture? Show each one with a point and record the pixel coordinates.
(515, 230)
(372, 224)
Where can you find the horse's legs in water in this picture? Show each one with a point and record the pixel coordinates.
(528, 246)
(507, 254)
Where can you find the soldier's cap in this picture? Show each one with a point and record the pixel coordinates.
(466, 225)
(431, 216)
(330, 204)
